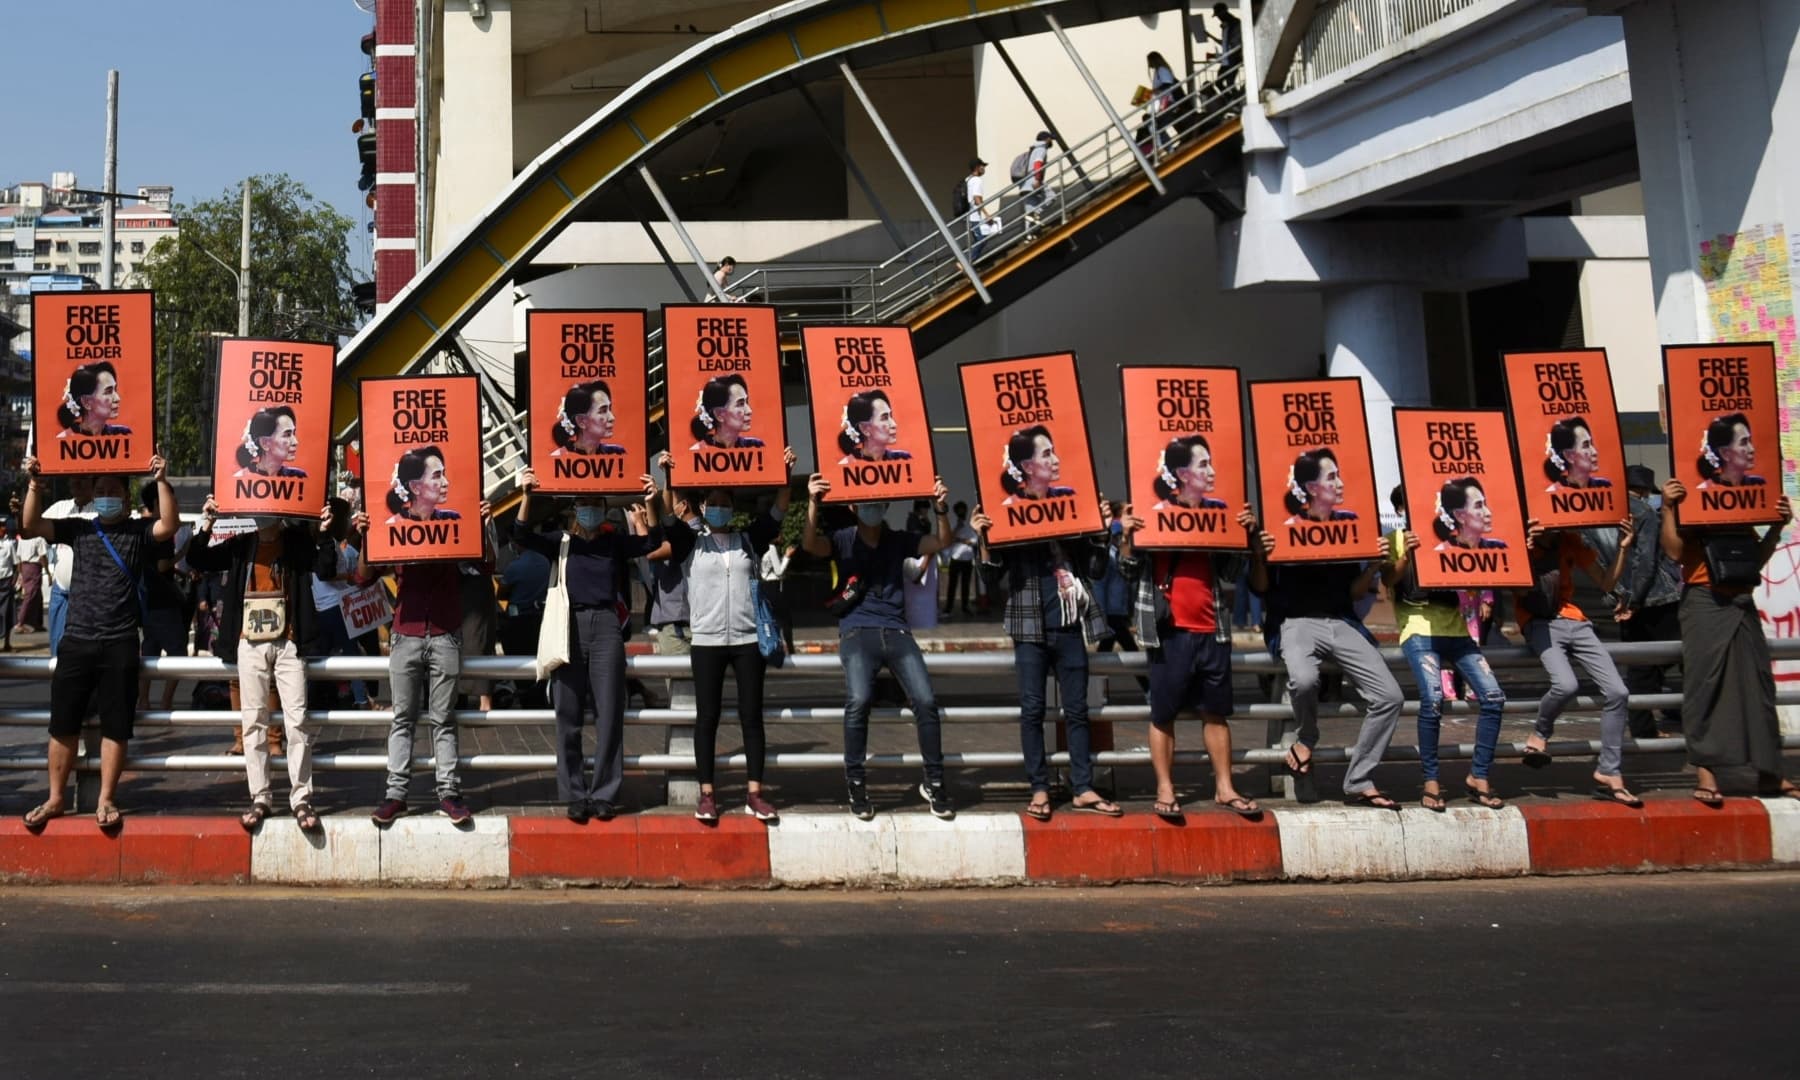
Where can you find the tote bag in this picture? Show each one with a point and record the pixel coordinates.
(553, 635)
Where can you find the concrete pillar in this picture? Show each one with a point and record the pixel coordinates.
(1377, 333)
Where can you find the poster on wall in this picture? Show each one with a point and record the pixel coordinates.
(870, 431)
(93, 381)
(727, 427)
(1462, 498)
(421, 439)
(1184, 454)
(1028, 438)
(1724, 426)
(588, 411)
(1316, 475)
(1566, 437)
(272, 449)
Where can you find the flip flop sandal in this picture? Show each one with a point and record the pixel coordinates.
(1536, 758)
(107, 816)
(1168, 811)
(1706, 796)
(1103, 807)
(1240, 806)
(307, 818)
(1375, 800)
(1608, 793)
(41, 815)
(1305, 790)
(1484, 798)
(1434, 801)
(255, 816)
(1038, 811)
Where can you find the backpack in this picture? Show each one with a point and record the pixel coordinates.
(1021, 165)
(959, 202)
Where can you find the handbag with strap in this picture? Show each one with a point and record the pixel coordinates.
(553, 634)
(1733, 559)
(265, 617)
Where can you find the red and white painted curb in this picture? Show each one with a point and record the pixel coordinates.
(913, 849)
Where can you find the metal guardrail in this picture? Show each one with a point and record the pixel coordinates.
(1344, 31)
(496, 668)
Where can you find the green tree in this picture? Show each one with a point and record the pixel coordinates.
(299, 290)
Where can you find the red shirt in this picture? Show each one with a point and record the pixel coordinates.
(1193, 597)
(429, 599)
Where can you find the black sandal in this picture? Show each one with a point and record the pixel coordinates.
(1434, 801)
(1242, 807)
(307, 818)
(1375, 799)
(1168, 811)
(1484, 798)
(1608, 793)
(1710, 797)
(1536, 757)
(1305, 790)
(1038, 811)
(255, 816)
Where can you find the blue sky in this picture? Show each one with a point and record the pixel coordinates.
(209, 91)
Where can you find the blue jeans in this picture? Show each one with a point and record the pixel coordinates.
(863, 650)
(1427, 655)
(59, 616)
(1065, 653)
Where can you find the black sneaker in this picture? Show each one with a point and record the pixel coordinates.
(859, 801)
(389, 809)
(938, 799)
(578, 812)
(455, 809)
(602, 809)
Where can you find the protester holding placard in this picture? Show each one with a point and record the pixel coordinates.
(1027, 413)
(1433, 633)
(588, 414)
(329, 590)
(1184, 620)
(424, 661)
(1728, 702)
(1052, 615)
(1312, 614)
(92, 359)
(1558, 631)
(872, 633)
(871, 432)
(98, 662)
(724, 390)
(590, 560)
(270, 625)
(1566, 428)
(719, 563)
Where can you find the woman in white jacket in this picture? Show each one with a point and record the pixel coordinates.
(720, 565)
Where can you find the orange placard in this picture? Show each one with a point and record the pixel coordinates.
(421, 438)
(587, 401)
(1566, 437)
(1184, 455)
(726, 424)
(272, 447)
(868, 413)
(1724, 432)
(1315, 473)
(93, 372)
(1462, 498)
(1029, 440)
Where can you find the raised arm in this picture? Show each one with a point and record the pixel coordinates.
(168, 514)
(811, 540)
(31, 518)
(1670, 534)
(931, 545)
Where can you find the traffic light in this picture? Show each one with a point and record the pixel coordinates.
(366, 87)
(365, 149)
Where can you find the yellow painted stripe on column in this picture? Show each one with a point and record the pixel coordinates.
(604, 154)
(999, 5)
(457, 285)
(834, 31)
(752, 61)
(403, 340)
(524, 221)
(680, 100)
(906, 14)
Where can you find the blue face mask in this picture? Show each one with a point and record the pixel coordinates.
(590, 517)
(717, 517)
(871, 513)
(108, 506)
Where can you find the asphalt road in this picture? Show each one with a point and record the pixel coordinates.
(1673, 975)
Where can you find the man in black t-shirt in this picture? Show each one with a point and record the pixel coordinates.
(97, 663)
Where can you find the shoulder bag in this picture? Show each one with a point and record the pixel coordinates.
(1733, 559)
(553, 635)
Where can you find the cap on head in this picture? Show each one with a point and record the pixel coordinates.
(976, 163)
(1640, 476)
(1044, 136)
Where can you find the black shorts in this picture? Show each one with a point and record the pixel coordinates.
(1189, 671)
(98, 674)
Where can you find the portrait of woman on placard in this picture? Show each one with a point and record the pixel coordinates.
(585, 421)
(722, 415)
(869, 429)
(419, 488)
(1185, 476)
(1032, 467)
(1727, 454)
(1316, 489)
(271, 440)
(1570, 457)
(91, 402)
(1462, 518)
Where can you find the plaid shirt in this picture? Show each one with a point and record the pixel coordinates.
(1020, 571)
(1147, 594)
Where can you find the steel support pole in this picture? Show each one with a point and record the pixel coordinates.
(856, 173)
(1100, 96)
(1037, 106)
(668, 209)
(662, 250)
(881, 128)
(109, 207)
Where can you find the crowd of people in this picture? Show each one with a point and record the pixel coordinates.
(128, 582)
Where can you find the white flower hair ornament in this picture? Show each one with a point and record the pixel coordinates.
(1012, 467)
(700, 410)
(562, 419)
(850, 429)
(250, 443)
(1295, 489)
(399, 486)
(1443, 515)
(1167, 477)
(69, 401)
(1556, 459)
(1707, 452)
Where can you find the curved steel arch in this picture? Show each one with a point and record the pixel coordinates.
(800, 40)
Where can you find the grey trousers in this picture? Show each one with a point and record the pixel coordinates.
(1306, 642)
(595, 672)
(428, 666)
(1557, 642)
